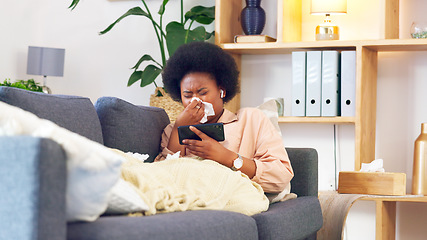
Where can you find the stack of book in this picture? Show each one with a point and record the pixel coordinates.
(253, 39)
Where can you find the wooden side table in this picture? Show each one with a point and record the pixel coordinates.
(385, 228)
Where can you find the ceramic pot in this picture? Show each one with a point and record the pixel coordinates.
(419, 178)
(253, 18)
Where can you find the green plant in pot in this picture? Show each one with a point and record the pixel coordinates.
(169, 37)
(29, 85)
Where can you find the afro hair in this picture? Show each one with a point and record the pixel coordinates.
(201, 57)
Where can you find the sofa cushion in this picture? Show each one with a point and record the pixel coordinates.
(126, 126)
(200, 224)
(303, 217)
(76, 114)
(92, 169)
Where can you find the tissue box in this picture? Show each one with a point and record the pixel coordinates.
(375, 183)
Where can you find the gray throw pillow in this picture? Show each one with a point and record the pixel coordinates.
(131, 128)
(74, 113)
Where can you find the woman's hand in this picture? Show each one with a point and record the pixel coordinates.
(208, 148)
(191, 115)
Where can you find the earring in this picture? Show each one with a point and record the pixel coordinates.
(222, 94)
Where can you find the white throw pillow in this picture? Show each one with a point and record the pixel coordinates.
(124, 199)
(92, 169)
(269, 108)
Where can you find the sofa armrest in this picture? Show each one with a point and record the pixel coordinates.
(305, 165)
(32, 188)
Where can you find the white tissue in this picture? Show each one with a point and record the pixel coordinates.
(173, 156)
(209, 111)
(374, 166)
(141, 157)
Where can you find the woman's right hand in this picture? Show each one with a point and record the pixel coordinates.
(191, 115)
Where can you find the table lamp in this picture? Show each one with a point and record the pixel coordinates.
(46, 62)
(327, 30)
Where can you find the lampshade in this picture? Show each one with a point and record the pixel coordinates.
(45, 61)
(328, 6)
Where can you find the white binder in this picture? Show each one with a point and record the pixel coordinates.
(330, 83)
(314, 83)
(348, 83)
(298, 83)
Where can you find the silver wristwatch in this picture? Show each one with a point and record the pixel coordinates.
(237, 163)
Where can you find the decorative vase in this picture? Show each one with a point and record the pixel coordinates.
(419, 178)
(253, 17)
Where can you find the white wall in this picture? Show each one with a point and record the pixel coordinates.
(97, 66)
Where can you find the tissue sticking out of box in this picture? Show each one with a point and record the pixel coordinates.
(374, 166)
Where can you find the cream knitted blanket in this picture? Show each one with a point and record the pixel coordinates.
(188, 184)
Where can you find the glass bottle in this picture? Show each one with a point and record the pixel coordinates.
(419, 178)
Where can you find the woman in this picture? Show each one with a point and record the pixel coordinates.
(251, 145)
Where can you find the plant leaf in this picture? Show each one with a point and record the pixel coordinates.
(209, 35)
(149, 74)
(163, 7)
(137, 11)
(146, 57)
(73, 4)
(176, 34)
(202, 15)
(135, 77)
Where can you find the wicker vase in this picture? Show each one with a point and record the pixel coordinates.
(172, 108)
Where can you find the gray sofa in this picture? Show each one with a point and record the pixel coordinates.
(33, 180)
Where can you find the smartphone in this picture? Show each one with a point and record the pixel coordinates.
(213, 130)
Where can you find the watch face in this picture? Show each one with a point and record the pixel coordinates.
(238, 163)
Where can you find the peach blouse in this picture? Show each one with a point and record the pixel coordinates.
(251, 134)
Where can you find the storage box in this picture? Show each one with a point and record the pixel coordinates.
(375, 183)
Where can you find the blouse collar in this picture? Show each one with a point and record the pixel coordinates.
(227, 117)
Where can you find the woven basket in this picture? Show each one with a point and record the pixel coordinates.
(172, 108)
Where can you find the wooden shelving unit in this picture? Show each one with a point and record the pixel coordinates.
(228, 25)
(385, 208)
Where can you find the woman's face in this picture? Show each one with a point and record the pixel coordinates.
(203, 86)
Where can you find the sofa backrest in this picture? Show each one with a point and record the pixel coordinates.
(131, 128)
(74, 113)
(305, 165)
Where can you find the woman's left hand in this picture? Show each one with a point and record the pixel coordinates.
(207, 148)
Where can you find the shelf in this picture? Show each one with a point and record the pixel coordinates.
(390, 45)
(385, 213)
(286, 48)
(408, 198)
(289, 25)
(384, 45)
(338, 120)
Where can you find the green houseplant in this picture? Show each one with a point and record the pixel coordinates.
(29, 85)
(170, 37)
